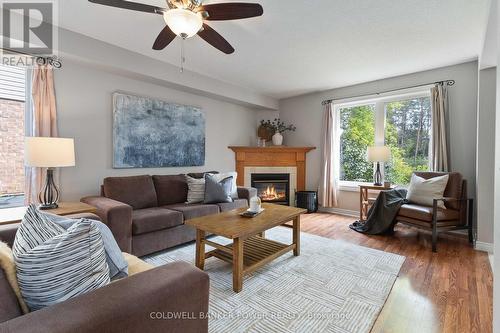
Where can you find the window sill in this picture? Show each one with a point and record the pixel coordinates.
(351, 186)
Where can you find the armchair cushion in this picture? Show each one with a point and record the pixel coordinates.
(424, 213)
(154, 219)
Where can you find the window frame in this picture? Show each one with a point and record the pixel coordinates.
(379, 101)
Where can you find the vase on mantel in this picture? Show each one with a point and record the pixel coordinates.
(277, 139)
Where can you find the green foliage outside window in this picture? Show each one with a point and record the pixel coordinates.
(407, 133)
(358, 133)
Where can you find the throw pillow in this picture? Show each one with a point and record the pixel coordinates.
(118, 267)
(196, 190)
(217, 191)
(136, 265)
(53, 268)
(423, 191)
(234, 187)
(9, 267)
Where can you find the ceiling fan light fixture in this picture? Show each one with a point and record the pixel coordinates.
(183, 22)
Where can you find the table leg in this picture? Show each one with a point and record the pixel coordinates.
(200, 248)
(237, 264)
(296, 235)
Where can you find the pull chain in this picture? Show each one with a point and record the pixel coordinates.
(183, 58)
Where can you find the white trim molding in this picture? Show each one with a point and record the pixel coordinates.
(482, 246)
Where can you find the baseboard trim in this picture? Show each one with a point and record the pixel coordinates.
(340, 211)
(482, 246)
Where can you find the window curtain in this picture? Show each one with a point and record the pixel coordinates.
(328, 189)
(44, 123)
(440, 150)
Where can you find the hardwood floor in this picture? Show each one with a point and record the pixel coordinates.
(448, 291)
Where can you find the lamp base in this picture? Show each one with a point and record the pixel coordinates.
(48, 206)
(377, 177)
(49, 195)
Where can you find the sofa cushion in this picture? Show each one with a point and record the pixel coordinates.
(154, 219)
(237, 203)
(425, 213)
(199, 175)
(170, 189)
(190, 211)
(136, 191)
(9, 306)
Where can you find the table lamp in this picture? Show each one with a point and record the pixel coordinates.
(49, 153)
(378, 154)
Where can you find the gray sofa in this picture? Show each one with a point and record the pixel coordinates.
(146, 213)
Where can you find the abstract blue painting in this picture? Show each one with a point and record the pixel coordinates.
(150, 133)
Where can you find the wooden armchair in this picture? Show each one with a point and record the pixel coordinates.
(456, 216)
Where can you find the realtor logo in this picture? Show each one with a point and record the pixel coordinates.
(29, 27)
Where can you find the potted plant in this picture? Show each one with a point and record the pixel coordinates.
(278, 127)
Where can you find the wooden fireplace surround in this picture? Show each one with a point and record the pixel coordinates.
(277, 156)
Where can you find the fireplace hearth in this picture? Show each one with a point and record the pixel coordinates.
(272, 187)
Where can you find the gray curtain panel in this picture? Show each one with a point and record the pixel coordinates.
(440, 149)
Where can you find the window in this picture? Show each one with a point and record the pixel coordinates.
(12, 133)
(357, 125)
(402, 122)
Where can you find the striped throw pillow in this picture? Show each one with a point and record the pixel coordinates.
(196, 190)
(58, 267)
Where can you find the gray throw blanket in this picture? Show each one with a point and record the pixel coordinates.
(381, 216)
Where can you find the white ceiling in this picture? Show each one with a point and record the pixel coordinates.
(301, 46)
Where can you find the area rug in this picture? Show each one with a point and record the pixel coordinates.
(333, 286)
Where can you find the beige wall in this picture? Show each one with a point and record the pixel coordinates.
(85, 113)
(306, 113)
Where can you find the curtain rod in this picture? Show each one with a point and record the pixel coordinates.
(40, 60)
(442, 83)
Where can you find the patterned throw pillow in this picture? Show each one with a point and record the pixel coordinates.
(196, 190)
(217, 191)
(54, 264)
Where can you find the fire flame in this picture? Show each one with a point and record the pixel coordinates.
(271, 194)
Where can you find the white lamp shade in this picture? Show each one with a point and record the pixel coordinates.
(182, 21)
(379, 154)
(49, 152)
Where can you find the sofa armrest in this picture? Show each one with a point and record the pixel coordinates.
(117, 216)
(247, 193)
(169, 298)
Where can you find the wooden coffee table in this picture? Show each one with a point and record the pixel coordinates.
(250, 249)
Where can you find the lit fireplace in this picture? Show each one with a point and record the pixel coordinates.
(272, 188)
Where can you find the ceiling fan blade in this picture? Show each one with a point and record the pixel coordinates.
(213, 38)
(231, 11)
(164, 38)
(130, 5)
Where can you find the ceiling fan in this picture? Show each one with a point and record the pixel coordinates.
(185, 18)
